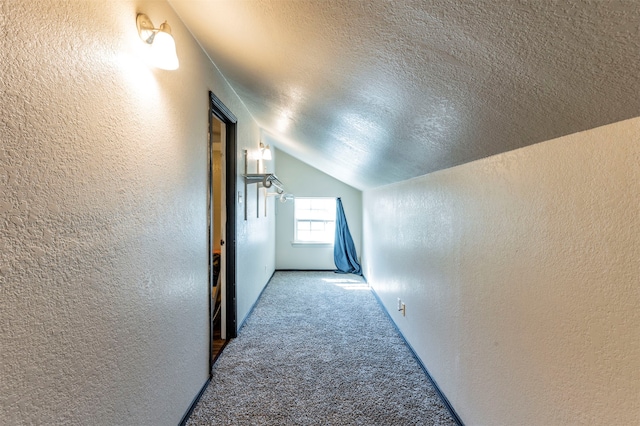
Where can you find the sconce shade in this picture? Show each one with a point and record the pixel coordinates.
(266, 151)
(266, 155)
(286, 197)
(163, 50)
(163, 46)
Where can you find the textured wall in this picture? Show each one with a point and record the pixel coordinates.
(520, 274)
(256, 236)
(103, 263)
(303, 180)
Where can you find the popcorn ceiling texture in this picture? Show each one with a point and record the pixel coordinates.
(376, 92)
(520, 274)
(103, 248)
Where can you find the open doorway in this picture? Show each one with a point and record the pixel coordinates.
(218, 272)
(221, 226)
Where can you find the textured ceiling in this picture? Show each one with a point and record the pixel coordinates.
(374, 92)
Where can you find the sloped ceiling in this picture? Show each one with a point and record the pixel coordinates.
(374, 92)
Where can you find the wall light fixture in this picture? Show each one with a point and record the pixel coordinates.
(266, 151)
(163, 47)
(283, 197)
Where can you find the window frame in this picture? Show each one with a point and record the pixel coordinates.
(296, 219)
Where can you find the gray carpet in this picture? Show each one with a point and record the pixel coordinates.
(318, 350)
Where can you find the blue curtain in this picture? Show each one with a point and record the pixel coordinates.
(344, 251)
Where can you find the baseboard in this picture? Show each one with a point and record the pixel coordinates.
(305, 270)
(187, 414)
(442, 396)
(255, 302)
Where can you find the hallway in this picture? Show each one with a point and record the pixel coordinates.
(490, 174)
(317, 349)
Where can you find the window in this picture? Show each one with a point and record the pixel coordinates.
(315, 220)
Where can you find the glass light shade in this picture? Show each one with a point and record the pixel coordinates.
(163, 51)
(266, 153)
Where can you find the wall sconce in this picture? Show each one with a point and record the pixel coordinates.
(163, 47)
(281, 196)
(286, 197)
(265, 152)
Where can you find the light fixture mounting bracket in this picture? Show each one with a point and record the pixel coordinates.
(146, 30)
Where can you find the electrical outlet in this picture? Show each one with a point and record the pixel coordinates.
(404, 310)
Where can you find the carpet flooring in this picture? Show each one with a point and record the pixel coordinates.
(318, 350)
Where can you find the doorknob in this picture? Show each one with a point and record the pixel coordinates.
(221, 242)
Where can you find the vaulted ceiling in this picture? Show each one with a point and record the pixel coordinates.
(374, 92)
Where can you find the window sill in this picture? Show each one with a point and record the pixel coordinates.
(310, 244)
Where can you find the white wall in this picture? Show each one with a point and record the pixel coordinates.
(256, 236)
(103, 246)
(521, 278)
(302, 180)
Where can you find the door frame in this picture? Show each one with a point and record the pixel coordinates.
(219, 110)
